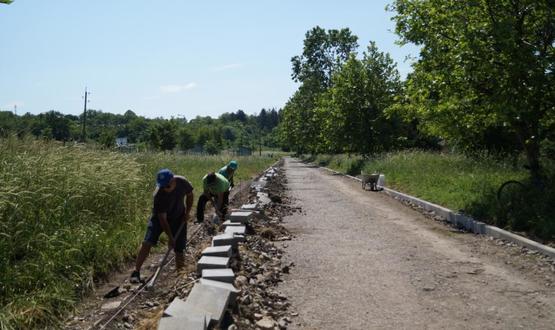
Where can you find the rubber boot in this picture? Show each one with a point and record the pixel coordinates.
(179, 261)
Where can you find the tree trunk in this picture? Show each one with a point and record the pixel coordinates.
(532, 149)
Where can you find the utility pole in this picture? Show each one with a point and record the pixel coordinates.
(15, 109)
(84, 117)
(260, 143)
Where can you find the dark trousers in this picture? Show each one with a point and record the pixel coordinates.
(203, 199)
(154, 230)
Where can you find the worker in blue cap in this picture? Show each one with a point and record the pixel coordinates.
(173, 201)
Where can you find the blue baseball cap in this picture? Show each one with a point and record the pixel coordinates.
(232, 165)
(163, 177)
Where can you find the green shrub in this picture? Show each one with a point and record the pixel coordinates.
(461, 183)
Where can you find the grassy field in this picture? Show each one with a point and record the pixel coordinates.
(69, 214)
(458, 182)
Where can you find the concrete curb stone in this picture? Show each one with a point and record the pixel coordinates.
(464, 221)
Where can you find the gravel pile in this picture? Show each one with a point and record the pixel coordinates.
(260, 269)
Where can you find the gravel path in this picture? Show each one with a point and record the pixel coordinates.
(365, 261)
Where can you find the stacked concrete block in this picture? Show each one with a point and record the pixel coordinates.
(190, 322)
(263, 199)
(175, 308)
(227, 239)
(238, 230)
(256, 213)
(222, 275)
(175, 317)
(223, 285)
(249, 207)
(207, 262)
(229, 223)
(206, 300)
(241, 216)
(217, 251)
(239, 238)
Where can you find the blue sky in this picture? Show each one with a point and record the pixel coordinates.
(169, 58)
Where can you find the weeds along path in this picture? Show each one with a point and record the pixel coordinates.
(144, 311)
(365, 261)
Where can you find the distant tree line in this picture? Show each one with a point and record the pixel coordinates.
(206, 134)
(484, 80)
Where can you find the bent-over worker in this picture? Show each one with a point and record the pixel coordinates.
(216, 188)
(168, 213)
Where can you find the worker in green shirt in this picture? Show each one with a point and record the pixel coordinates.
(216, 188)
(228, 171)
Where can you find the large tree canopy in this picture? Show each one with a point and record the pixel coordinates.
(483, 64)
(324, 52)
(353, 108)
(341, 102)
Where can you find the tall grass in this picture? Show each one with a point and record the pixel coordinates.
(195, 167)
(69, 214)
(461, 183)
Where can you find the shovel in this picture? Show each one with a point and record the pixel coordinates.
(150, 284)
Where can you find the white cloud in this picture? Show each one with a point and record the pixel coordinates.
(177, 88)
(227, 67)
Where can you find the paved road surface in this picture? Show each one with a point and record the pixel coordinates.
(365, 261)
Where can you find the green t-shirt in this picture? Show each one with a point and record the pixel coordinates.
(219, 186)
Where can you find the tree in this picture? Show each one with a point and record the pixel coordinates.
(186, 141)
(324, 52)
(353, 110)
(262, 119)
(229, 134)
(6, 1)
(211, 147)
(58, 125)
(129, 115)
(137, 129)
(483, 64)
(163, 135)
(8, 123)
(241, 116)
(107, 139)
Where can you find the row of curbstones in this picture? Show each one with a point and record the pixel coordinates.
(461, 220)
(214, 293)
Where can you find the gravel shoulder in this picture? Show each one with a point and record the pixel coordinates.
(365, 261)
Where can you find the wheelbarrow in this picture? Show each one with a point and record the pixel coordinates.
(370, 179)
